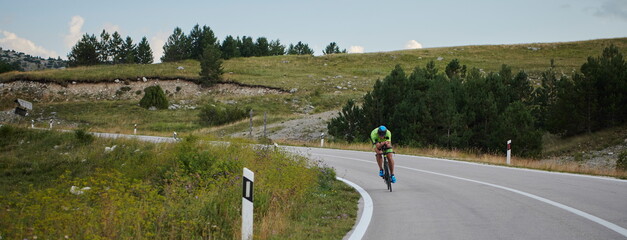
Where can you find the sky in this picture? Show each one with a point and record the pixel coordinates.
(50, 28)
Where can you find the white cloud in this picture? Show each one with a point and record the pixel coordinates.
(13, 42)
(75, 34)
(156, 45)
(356, 49)
(412, 44)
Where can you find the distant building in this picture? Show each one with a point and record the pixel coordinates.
(23, 107)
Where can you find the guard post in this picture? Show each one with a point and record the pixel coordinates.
(247, 205)
(509, 152)
(322, 140)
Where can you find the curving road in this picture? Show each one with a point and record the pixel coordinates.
(443, 199)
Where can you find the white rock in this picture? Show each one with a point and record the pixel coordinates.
(180, 68)
(117, 81)
(76, 191)
(110, 149)
(293, 90)
(144, 79)
(440, 58)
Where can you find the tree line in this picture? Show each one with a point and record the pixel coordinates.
(112, 49)
(181, 46)
(468, 109)
(109, 49)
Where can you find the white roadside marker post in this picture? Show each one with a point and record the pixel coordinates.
(322, 140)
(247, 205)
(51, 123)
(135, 129)
(509, 152)
(32, 123)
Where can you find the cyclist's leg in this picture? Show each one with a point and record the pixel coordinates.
(389, 154)
(391, 162)
(379, 158)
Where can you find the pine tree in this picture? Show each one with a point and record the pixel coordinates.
(263, 47)
(104, 48)
(348, 125)
(332, 48)
(116, 49)
(276, 48)
(144, 53)
(248, 48)
(230, 48)
(128, 51)
(300, 49)
(211, 65)
(85, 52)
(199, 39)
(453, 69)
(195, 38)
(177, 47)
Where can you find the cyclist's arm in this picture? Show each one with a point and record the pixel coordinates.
(374, 137)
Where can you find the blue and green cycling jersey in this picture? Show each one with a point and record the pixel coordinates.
(374, 137)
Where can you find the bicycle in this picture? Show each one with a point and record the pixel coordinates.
(387, 177)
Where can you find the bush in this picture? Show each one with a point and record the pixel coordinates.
(214, 114)
(154, 97)
(621, 163)
(83, 136)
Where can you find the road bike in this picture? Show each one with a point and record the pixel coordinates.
(387, 176)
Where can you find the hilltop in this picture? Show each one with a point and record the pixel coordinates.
(27, 62)
(330, 71)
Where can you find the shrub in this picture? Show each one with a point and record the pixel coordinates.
(154, 97)
(214, 114)
(621, 163)
(83, 136)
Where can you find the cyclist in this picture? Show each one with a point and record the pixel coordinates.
(381, 137)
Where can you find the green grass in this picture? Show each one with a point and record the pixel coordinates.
(108, 73)
(189, 190)
(325, 73)
(555, 145)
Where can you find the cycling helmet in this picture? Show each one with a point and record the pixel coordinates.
(382, 130)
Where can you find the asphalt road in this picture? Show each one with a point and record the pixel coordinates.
(443, 199)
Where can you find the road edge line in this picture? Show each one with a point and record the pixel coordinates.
(360, 229)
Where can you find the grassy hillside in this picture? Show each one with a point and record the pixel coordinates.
(325, 73)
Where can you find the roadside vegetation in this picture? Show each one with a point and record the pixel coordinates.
(190, 190)
(71, 185)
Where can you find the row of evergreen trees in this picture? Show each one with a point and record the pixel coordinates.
(109, 49)
(112, 49)
(462, 109)
(180, 46)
